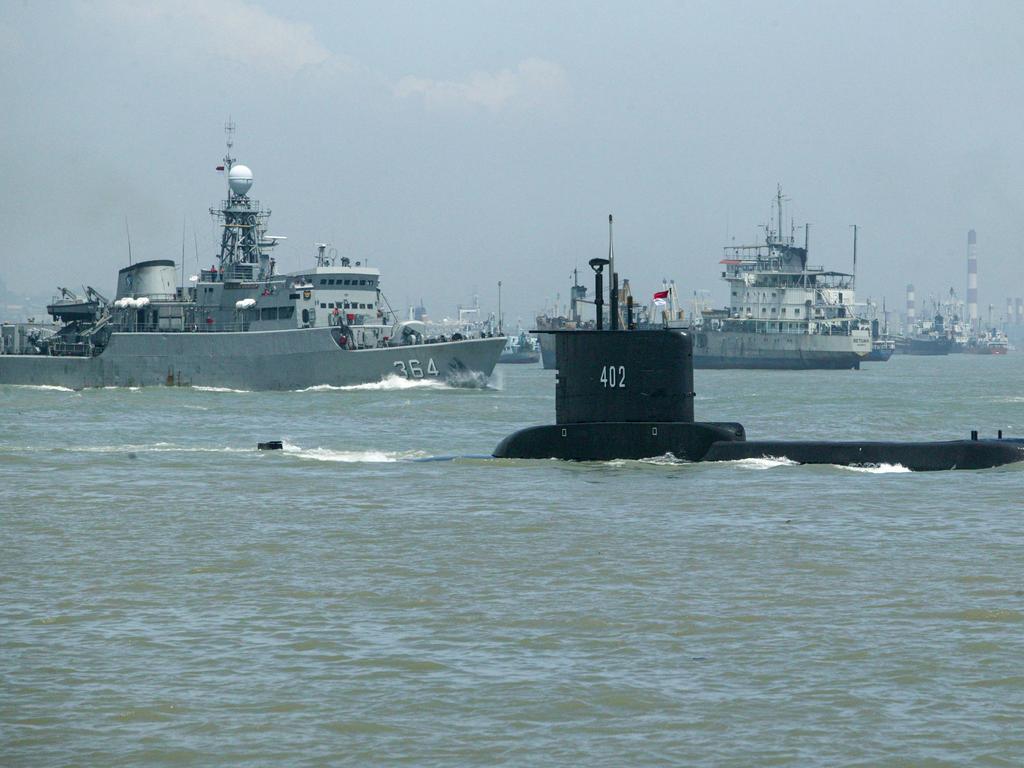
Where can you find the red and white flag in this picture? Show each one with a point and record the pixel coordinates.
(659, 298)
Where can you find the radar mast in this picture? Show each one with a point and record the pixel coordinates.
(244, 245)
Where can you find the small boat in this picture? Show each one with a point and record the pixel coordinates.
(520, 349)
(882, 349)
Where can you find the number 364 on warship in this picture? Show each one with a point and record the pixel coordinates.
(239, 324)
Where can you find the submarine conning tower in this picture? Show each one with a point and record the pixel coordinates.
(619, 376)
(620, 394)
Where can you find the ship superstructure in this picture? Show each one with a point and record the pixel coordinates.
(783, 312)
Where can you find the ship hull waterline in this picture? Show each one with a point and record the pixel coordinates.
(252, 360)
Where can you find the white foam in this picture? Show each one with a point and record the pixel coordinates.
(765, 462)
(349, 457)
(390, 384)
(49, 387)
(878, 469)
(221, 389)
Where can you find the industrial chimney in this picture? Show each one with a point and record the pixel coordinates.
(972, 279)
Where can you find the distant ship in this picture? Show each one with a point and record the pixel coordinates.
(882, 349)
(929, 339)
(783, 313)
(993, 342)
(520, 349)
(556, 322)
(238, 324)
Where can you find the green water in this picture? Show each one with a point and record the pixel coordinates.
(170, 596)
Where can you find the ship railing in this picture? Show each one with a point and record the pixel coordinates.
(199, 326)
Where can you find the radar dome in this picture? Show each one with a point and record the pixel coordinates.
(239, 179)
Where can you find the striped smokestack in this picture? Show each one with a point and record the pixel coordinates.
(911, 307)
(972, 279)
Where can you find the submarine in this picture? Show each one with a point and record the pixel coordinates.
(623, 393)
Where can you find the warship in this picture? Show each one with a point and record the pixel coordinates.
(238, 324)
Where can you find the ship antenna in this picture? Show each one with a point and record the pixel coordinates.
(611, 251)
(855, 227)
(229, 130)
(129, 235)
(183, 255)
(779, 195)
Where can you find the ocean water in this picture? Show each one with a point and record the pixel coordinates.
(169, 596)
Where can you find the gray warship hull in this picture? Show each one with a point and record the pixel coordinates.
(252, 360)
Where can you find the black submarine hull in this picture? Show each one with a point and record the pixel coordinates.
(605, 441)
(707, 442)
(915, 456)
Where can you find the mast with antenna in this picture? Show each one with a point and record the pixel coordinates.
(128, 234)
(244, 245)
(611, 248)
(854, 250)
(779, 198)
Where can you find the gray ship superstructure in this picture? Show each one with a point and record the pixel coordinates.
(239, 324)
(783, 313)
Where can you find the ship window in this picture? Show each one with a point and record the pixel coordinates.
(774, 310)
(323, 282)
(323, 305)
(285, 313)
(330, 305)
(796, 311)
(783, 311)
(348, 282)
(305, 315)
(330, 282)
(268, 313)
(293, 295)
(362, 282)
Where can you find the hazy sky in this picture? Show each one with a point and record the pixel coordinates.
(456, 144)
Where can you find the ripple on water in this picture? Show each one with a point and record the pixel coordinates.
(339, 602)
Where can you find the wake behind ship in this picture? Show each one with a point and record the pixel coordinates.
(239, 324)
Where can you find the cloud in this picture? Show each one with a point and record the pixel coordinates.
(230, 29)
(532, 81)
